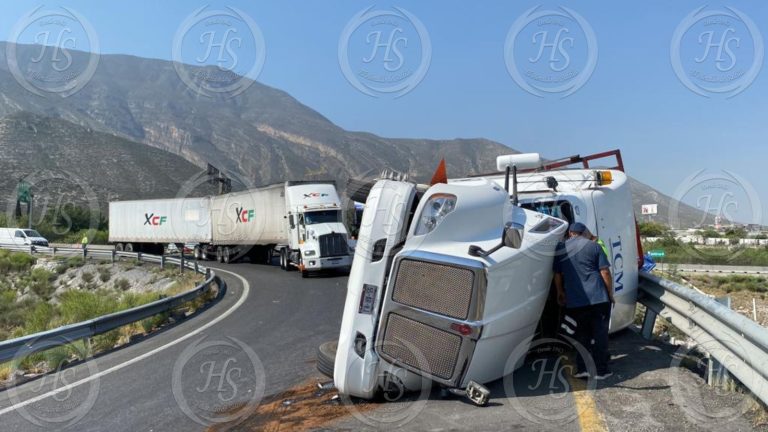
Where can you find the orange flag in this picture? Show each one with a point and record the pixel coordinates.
(440, 175)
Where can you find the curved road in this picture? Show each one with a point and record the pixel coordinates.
(260, 339)
(282, 317)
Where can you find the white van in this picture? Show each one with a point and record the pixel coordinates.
(21, 237)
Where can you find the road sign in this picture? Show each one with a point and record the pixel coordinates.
(650, 209)
(23, 194)
(657, 254)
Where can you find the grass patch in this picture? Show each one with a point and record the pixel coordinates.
(15, 262)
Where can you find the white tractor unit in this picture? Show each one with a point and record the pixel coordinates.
(449, 280)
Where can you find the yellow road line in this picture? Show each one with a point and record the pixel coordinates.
(590, 419)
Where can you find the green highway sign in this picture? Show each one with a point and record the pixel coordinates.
(23, 194)
(657, 254)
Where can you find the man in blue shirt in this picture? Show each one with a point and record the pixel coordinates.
(585, 287)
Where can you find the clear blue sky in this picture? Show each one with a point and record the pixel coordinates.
(633, 100)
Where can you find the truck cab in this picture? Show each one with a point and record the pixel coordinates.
(317, 236)
(450, 280)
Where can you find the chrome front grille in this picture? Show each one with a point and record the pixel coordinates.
(420, 346)
(438, 288)
(333, 245)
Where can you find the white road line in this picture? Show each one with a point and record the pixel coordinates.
(246, 291)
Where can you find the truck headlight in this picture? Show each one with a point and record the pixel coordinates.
(309, 253)
(435, 210)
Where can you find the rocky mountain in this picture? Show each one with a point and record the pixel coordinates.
(69, 163)
(261, 136)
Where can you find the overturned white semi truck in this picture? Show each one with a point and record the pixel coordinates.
(300, 221)
(449, 280)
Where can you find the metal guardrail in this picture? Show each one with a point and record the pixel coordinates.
(737, 343)
(23, 346)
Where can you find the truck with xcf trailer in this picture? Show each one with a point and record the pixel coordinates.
(300, 221)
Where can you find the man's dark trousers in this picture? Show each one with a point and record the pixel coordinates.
(592, 323)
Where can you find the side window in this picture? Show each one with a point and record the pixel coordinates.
(19, 234)
(559, 209)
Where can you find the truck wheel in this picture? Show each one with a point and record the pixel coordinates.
(326, 358)
(129, 247)
(282, 259)
(204, 253)
(219, 254)
(268, 255)
(119, 247)
(227, 255)
(197, 253)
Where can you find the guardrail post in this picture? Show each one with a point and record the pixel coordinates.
(162, 261)
(717, 374)
(54, 251)
(181, 261)
(31, 249)
(649, 322)
(207, 273)
(197, 268)
(114, 256)
(138, 256)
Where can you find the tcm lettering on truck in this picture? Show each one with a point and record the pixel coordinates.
(300, 221)
(450, 280)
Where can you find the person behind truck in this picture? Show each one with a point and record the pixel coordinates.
(584, 286)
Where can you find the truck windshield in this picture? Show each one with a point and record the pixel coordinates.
(323, 216)
(32, 233)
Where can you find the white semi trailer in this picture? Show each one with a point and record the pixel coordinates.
(301, 221)
(451, 280)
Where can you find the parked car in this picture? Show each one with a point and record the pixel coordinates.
(22, 237)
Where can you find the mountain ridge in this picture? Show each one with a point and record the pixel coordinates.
(262, 136)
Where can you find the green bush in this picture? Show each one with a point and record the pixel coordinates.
(105, 274)
(39, 318)
(87, 277)
(106, 341)
(75, 261)
(15, 262)
(79, 306)
(42, 283)
(57, 357)
(122, 284)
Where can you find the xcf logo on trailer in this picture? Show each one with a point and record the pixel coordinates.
(244, 215)
(152, 220)
(315, 195)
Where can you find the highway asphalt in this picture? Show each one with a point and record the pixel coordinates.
(261, 338)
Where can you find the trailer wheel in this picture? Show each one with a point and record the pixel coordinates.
(326, 358)
(129, 247)
(119, 247)
(227, 256)
(204, 253)
(219, 255)
(197, 253)
(268, 255)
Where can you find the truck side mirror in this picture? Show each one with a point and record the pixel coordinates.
(291, 221)
(513, 237)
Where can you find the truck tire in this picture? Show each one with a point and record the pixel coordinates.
(227, 255)
(129, 247)
(119, 247)
(204, 253)
(282, 259)
(326, 358)
(219, 254)
(198, 254)
(268, 255)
